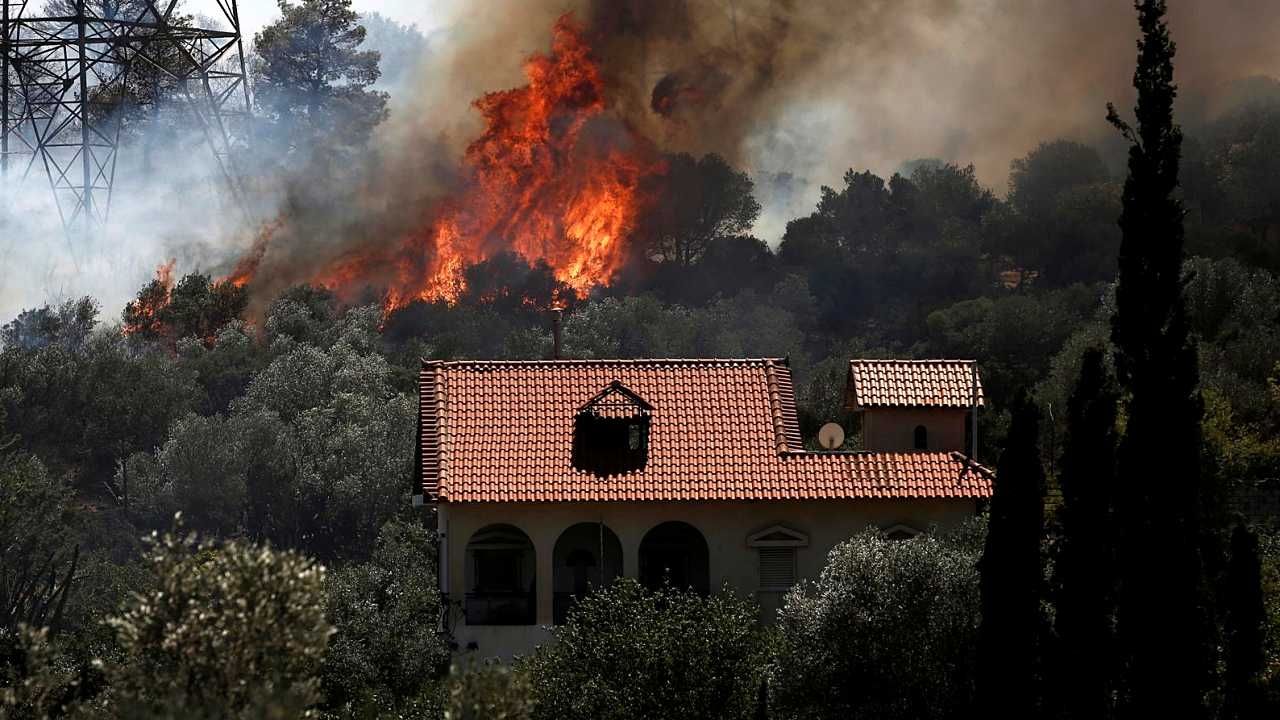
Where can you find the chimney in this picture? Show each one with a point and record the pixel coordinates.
(557, 315)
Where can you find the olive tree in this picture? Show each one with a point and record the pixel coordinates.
(887, 631)
(235, 630)
(629, 652)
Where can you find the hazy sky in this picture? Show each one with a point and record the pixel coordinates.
(426, 14)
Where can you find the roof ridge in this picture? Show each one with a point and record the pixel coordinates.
(911, 360)
(430, 431)
(608, 361)
(970, 462)
(775, 408)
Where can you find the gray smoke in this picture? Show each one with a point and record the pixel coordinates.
(795, 91)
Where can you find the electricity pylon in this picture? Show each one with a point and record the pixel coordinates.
(71, 76)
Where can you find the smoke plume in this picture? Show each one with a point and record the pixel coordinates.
(795, 92)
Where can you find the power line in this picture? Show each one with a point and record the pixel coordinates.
(68, 79)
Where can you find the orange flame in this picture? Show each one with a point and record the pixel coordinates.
(247, 266)
(143, 314)
(551, 177)
(164, 275)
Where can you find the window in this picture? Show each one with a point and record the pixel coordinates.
(777, 568)
(611, 432)
(922, 438)
(776, 548)
(587, 556)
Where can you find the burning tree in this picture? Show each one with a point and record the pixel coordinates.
(195, 307)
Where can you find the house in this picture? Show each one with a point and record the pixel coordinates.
(552, 477)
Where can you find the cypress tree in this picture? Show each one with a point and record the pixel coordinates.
(762, 701)
(1011, 573)
(1085, 565)
(1163, 624)
(1245, 623)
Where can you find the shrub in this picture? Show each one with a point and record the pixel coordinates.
(491, 691)
(230, 631)
(628, 652)
(887, 631)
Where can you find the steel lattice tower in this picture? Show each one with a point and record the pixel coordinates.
(69, 80)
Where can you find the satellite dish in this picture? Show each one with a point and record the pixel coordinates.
(831, 436)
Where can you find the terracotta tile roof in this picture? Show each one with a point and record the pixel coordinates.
(911, 383)
(719, 430)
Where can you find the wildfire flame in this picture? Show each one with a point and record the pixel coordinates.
(247, 266)
(552, 177)
(143, 314)
(164, 275)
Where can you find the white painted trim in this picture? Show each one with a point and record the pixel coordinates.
(794, 538)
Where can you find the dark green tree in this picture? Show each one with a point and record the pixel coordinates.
(487, 691)
(383, 659)
(313, 79)
(703, 200)
(1036, 181)
(762, 702)
(199, 307)
(67, 325)
(1062, 224)
(1085, 564)
(1245, 630)
(1162, 615)
(37, 563)
(1011, 572)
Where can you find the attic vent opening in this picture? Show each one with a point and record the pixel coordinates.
(611, 432)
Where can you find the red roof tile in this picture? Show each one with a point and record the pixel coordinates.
(912, 383)
(719, 430)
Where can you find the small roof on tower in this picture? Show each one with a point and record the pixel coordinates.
(912, 384)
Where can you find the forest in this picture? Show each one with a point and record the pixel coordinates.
(205, 498)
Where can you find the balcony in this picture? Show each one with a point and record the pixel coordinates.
(500, 608)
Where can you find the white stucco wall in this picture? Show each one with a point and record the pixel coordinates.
(725, 525)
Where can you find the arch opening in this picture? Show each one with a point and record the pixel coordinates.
(587, 556)
(921, 437)
(675, 552)
(501, 577)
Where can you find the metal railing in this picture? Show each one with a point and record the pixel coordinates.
(501, 608)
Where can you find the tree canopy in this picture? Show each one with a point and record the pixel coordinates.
(312, 79)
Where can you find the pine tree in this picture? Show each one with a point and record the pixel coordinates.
(314, 81)
(1162, 615)
(1085, 566)
(1011, 574)
(1245, 629)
